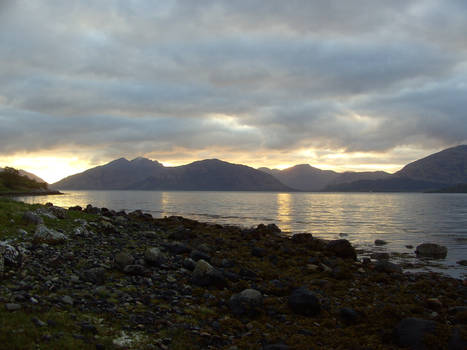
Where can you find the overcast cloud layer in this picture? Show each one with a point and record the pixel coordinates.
(238, 80)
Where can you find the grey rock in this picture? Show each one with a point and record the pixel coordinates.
(12, 307)
(388, 267)
(379, 256)
(80, 231)
(47, 235)
(123, 259)
(410, 332)
(189, 264)
(135, 270)
(248, 302)
(58, 212)
(431, 250)
(304, 302)
(11, 255)
(153, 256)
(178, 248)
(66, 299)
(95, 275)
(380, 242)
(198, 255)
(342, 248)
(32, 218)
(205, 275)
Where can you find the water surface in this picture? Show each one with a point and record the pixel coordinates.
(401, 219)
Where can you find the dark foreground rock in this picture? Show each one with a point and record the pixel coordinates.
(431, 250)
(304, 302)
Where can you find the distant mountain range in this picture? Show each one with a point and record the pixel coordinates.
(304, 177)
(437, 171)
(145, 174)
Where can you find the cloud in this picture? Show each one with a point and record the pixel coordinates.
(121, 78)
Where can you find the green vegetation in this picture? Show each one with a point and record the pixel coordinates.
(12, 182)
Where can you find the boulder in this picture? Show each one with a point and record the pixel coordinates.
(11, 256)
(431, 250)
(380, 242)
(205, 275)
(304, 302)
(388, 267)
(44, 234)
(123, 259)
(342, 248)
(95, 275)
(249, 302)
(178, 248)
(198, 255)
(32, 218)
(410, 333)
(58, 212)
(153, 256)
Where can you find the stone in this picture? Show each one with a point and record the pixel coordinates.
(248, 302)
(47, 235)
(342, 248)
(188, 264)
(410, 332)
(258, 252)
(388, 267)
(462, 262)
(11, 255)
(75, 208)
(12, 307)
(380, 242)
(379, 256)
(66, 299)
(58, 212)
(431, 250)
(95, 275)
(205, 275)
(135, 270)
(123, 259)
(304, 302)
(178, 248)
(32, 218)
(198, 255)
(153, 256)
(80, 231)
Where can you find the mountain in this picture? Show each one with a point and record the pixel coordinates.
(441, 171)
(118, 174)
(13, 181)
(391, 184)
(303, 177)
(307, 178)
(144, 174)
(29, 175)
(448, 166)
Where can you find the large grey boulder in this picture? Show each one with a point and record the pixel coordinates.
(44, 234)
(205, 275)
(32, 218)
(304, 302)
(153, 256)
(249, 302)
(431, 250)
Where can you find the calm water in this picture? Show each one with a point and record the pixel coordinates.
(401, 219)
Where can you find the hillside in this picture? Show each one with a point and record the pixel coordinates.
(307, 178)
(144, 174)
(11, 181)
(448, 166)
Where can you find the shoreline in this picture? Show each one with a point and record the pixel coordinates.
(133, 281)
(32, 193)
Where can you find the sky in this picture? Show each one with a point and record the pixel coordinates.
(342, 85)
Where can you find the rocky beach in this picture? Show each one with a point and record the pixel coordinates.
(93, 278)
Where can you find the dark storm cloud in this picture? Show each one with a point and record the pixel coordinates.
(141, 76)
